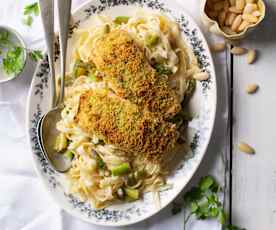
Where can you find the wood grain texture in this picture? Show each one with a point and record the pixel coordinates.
(254, 176)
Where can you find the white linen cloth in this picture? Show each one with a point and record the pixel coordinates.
(24, 202)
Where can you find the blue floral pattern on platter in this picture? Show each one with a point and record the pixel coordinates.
(137, 211)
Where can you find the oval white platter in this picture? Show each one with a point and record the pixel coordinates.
(203, 105)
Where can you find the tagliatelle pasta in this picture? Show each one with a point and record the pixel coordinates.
(100, 112)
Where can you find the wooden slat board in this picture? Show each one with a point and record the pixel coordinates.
(254, 177)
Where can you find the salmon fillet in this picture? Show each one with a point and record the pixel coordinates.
(130, 75)
(121, 123)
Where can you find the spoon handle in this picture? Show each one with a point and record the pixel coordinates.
(64, 14)
(47, 16)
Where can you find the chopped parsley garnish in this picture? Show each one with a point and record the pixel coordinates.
(13, 61)
(190, 89)
(203, 202)
(30, 11)
(4, 39)
(162, 69)
(100, 162)
(12, 54)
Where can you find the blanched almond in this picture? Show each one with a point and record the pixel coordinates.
(238, 50)
(233, 9)
(256, 13)
(246, 148)
(221, 18)
(252, 88)
(236, 23)
(249, 8)
(230, 18)
(243, 25)
(251, 56)
(240, 4)
(249, 18)
(218, 47)
(227, 18)
(202, 76)
(228, 30)
(218, 6)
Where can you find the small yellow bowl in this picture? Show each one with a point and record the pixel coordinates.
(214, 27)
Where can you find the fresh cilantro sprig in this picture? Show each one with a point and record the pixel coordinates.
(203, 202)
(29, 12)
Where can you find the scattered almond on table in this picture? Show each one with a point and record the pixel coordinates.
(251, 56)
(246, 148)
(252, 88)
(233, 16)
(238, 50)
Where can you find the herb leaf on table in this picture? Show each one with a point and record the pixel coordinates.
(30, 11)
(28, 20)
(36, 55)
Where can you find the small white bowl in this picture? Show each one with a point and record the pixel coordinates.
(17, 38)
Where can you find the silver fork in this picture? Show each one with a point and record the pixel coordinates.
(47, 15)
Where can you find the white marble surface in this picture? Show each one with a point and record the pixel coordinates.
(24, 204)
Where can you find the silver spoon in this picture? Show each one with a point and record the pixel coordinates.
(47, 131)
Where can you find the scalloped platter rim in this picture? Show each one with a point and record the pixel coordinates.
(203, 104)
